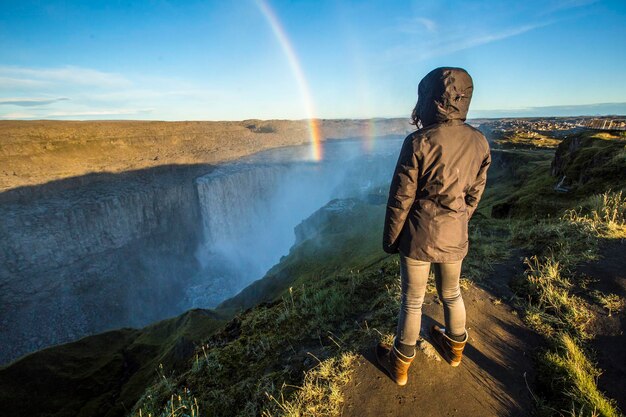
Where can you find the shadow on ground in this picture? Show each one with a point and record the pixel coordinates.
(495, 377)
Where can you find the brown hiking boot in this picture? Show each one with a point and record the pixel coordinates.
(452, 351)
(395, 363)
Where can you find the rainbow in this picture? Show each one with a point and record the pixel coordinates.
(314, 125)
(370, 136)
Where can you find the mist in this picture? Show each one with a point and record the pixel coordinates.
(250, 208)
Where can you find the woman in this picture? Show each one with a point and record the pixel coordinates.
(438, 180)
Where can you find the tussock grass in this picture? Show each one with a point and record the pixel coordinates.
(603, 215)
(320, 394)
(578, 377)
(550, 296)
(563, 230)
(182, 404)
(290, 357)
(613, 303)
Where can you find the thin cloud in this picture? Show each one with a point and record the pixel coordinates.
(76, 114)
(24, 83)
(68, 75)
(561, 5)
(416, 25)
(471, 42)
(152, 94)
(30, 102)
(113, 112)
(17, 116)
(429, 24)
(457, 42)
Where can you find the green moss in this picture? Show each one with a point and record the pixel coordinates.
(103, 373)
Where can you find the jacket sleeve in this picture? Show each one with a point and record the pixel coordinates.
(472, 197)
(401, 195)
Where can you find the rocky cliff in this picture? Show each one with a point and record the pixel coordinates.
(115, 253)
(587, 159)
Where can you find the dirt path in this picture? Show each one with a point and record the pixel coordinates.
(609, 274)
(491, 381)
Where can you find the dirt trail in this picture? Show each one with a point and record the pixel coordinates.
(609, 274)
(491, 380)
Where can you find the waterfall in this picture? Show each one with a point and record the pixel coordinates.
(236, 208)
(250, 210)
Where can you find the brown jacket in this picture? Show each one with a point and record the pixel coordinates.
(440, 174)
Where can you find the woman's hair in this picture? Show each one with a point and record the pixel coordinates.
(415, 118)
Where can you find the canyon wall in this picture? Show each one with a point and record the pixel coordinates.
(83, 255)
(87, 259)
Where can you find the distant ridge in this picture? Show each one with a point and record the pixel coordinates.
(599, 109)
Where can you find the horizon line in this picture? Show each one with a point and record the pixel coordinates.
(307, 120)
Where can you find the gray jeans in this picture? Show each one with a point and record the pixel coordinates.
(414, 276)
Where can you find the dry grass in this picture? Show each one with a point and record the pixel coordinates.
(179, 405)
(553, 302)
(613, 303)
(603, 215)
(320, 394)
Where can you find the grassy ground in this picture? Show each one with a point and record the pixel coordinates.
(40, 151)
(551, 296)
(563, 233)
(291, 356)
(105, 373)
(253, 366)
(527, 139)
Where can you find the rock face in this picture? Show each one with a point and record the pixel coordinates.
(88, 259)
(105, 374)
(563, 155)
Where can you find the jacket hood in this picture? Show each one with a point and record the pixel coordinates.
(444, 94)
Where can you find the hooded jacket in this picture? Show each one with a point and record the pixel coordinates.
(440, 174)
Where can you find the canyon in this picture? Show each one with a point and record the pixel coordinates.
(97, 251)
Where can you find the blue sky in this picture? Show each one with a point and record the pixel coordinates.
(222, 60)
